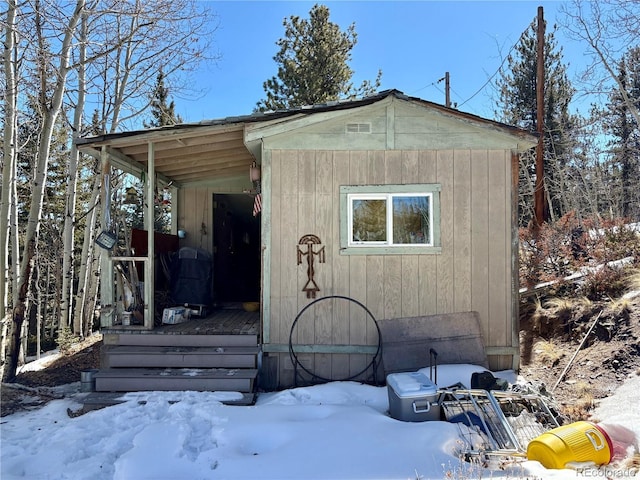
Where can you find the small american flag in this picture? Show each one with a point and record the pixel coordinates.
(257, 204)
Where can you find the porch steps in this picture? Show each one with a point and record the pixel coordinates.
(179, 340)
(181, 357)
(98, 400)
(149, 361)
(175, 379)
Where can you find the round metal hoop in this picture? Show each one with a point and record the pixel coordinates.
(294, 358)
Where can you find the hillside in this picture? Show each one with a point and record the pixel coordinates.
(550, 337)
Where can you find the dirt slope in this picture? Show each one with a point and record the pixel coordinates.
(550, 338)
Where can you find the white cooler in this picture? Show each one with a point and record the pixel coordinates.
(413, 397)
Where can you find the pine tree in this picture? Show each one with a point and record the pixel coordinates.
(162, 110)
(518, 105)
(313, 64)
(621, 125)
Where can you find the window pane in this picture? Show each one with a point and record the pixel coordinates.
(411, 220)
(369, 220)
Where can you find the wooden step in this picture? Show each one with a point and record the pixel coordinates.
(179, 340)
(205, 380)
(98, 400)
(181, 357)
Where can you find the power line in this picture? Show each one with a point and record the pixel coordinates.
(432, 84)
(490, 79)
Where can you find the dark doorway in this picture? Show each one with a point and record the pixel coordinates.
(236, 252)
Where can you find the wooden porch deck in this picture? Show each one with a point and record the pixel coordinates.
(228, 320)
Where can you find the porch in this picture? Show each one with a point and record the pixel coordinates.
(217, 352)
(229, 319)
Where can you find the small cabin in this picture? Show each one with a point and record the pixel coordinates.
(331, 217)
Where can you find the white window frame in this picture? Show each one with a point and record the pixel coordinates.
(349, 194)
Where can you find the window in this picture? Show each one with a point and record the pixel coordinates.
(390, 219)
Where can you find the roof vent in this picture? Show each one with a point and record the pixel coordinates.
(358, 128)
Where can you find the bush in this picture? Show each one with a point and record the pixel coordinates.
(604, 283)
(550, 252)
(610, 240)
(556, 250)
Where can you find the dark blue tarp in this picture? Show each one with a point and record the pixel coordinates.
(192, 277)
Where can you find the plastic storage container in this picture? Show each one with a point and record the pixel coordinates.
(412, 397)
(576, 442)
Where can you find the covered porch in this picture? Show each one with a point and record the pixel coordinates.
(213, 179)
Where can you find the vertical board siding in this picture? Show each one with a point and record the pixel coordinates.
(481, 235)
(375, 295)
(392, 285)
(340, 263)
(444, 262)
(427, 173)
(472, 272)
(507, 295)
(499, 251)
(358, 175)
(322, 228)
(288, 268)
(275, 251)
(462, 231)
(306, 168)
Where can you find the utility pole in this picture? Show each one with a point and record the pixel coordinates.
(539, 196)
(447, 91)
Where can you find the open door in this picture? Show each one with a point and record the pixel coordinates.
(236, 249)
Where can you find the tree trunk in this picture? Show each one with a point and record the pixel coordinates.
(51, 110)
(8, 166)
(66, 308)
(87, 275)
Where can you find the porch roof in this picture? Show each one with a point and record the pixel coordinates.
(217, 149)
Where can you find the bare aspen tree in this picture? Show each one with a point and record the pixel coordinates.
(609, 28)
(122, 80)
(51, 109)
(9, 152)
(116, 68)
(81, 312)
(72, 182)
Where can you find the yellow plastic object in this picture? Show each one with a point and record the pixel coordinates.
(251, 306)
(576, 442)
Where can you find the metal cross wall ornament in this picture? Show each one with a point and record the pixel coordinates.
(308, 241)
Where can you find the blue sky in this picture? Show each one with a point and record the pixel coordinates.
(413, 42)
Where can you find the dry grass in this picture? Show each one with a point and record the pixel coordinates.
(583, 406)
(547, 352)
(584, 303)
(583, 389)
(539, 311)
(633, 281)
(560, 305)
(620, 305)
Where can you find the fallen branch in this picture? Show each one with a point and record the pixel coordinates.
(576, 352)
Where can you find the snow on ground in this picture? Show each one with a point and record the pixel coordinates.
(340, 430)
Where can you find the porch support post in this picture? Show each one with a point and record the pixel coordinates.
(149, 270)
(108, 307)
(174, 209)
